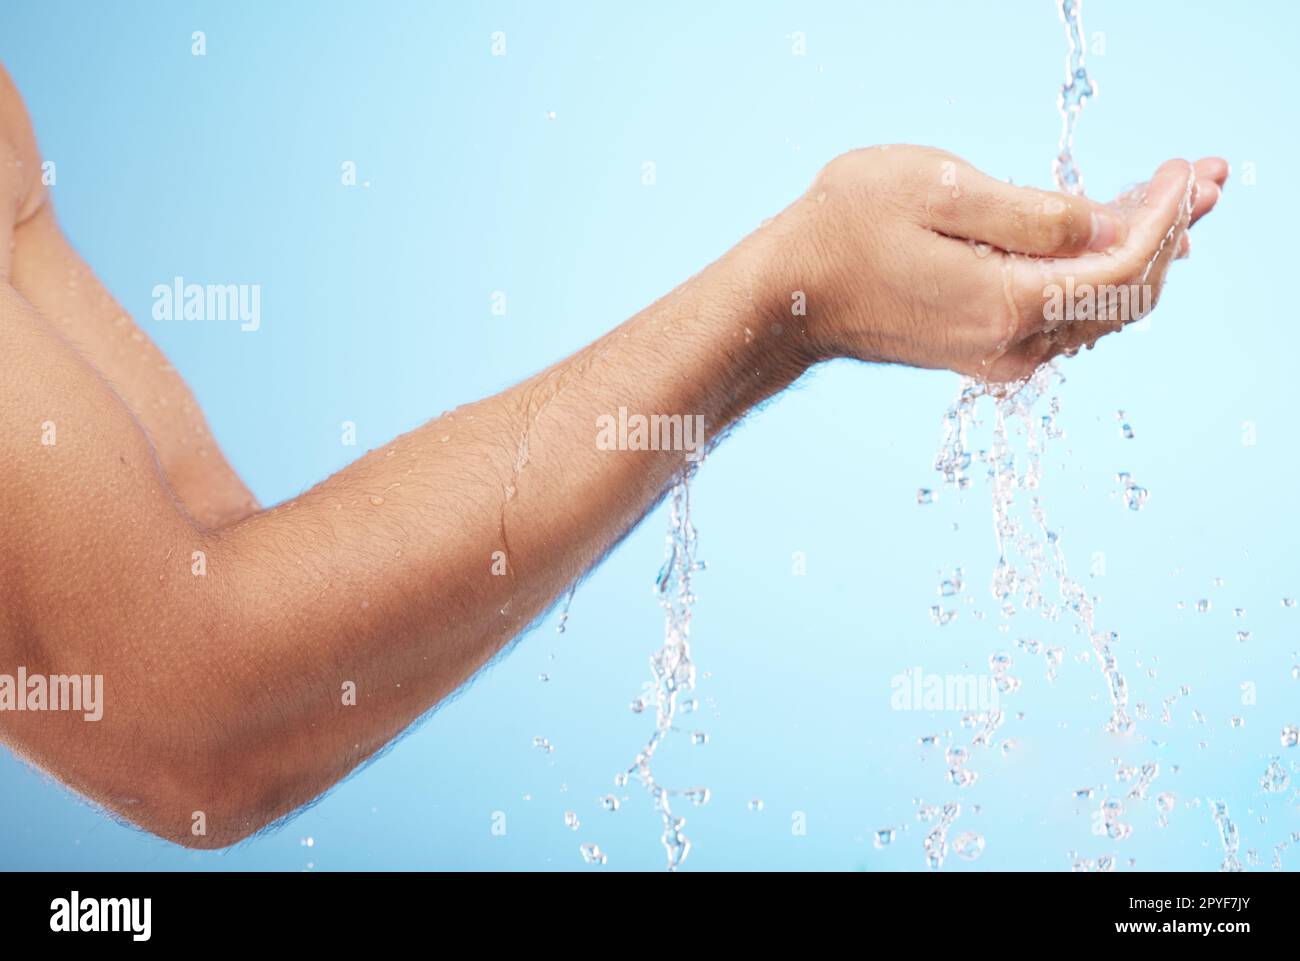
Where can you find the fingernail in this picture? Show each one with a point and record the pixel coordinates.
(1107, 230)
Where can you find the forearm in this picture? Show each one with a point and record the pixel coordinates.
(446, 543)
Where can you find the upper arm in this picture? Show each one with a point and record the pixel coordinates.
(95, 565)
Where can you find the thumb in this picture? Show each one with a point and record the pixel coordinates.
(1023, 220)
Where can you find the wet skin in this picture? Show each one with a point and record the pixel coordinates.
(229, 637)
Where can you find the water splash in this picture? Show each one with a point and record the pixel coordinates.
(1076, 90)
(1228, 835)
(671, 668)
(1030, 555)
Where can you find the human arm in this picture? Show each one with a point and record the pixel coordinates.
(224, 690)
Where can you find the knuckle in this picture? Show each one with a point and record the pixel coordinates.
(1063, 225)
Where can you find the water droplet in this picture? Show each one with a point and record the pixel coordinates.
(968, 845)
(699, 796)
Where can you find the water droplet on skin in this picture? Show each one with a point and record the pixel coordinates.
(376, 500)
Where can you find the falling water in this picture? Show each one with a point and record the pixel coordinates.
(1076, 90)
(1030, 556)
(672, 670)
(1227, 835)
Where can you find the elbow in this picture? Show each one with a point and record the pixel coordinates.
(203, 803)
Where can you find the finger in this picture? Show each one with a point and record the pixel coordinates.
(1157, 214)
(1152, 222)
(966, 203)
(1208, 193)
(1213, 168)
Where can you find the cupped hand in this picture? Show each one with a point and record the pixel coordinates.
(912, 256)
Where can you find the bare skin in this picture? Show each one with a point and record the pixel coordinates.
(405, 572)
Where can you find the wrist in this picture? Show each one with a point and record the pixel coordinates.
(764, 274)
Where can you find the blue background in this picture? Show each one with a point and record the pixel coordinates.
(376, 309)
